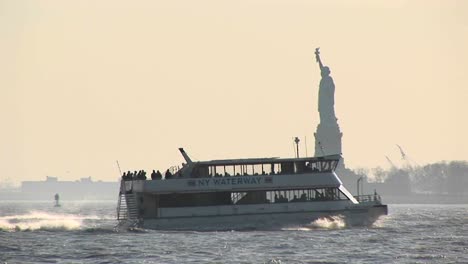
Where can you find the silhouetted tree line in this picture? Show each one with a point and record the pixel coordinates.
(436, 178)
(442, 177)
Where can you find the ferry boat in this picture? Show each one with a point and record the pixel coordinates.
(240, 194)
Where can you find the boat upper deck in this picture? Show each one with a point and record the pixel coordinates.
(244, 174)
(254, 166)
(236, 183)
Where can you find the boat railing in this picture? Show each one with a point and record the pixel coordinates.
(236, 197)
(127, 208)
(126, 186)
(368, 198)
(174, 169)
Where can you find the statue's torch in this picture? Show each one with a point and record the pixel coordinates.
(317, 54)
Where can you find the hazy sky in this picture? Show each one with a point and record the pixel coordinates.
(86, 83)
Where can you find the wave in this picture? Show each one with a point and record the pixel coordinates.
(325, 222)
(329, 222)
(37, 220)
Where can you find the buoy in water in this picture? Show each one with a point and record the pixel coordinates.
(57, 198)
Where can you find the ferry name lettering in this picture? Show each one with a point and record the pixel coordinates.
(224, 181)
(203, 182)
(237, 181)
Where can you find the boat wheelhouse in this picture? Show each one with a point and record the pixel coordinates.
(244, 193)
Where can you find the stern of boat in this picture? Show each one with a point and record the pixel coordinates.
(367, 211)
(127, 207)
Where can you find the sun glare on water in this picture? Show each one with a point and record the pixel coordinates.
(330, 222)
(326, 222)
(36, 220)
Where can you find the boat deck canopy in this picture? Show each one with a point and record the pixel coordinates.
(251, 161)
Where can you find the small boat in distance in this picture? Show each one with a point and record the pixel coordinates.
(239, 194)
(57, 198)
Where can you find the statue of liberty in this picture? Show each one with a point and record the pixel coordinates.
(328, 135)
(326, 98)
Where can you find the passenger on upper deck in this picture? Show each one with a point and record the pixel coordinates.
(294, 199)
(158, 175)
(143, 175)
(168, 174)
(126, 176)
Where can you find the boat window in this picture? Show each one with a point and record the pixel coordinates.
(275, 168)
(318, 166)
(287, 168)
(313, 166)
(323, 166)
(200, 172)
(194, 199)
(250, 197)
(299, 166)
(288, 196)
(229, 171)
(334, 163)
(280, 167)
(258, 169)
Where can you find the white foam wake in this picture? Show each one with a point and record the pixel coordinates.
(329, 222)
(37, 220)
(325, 222)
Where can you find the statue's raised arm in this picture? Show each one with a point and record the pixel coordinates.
(317, 58)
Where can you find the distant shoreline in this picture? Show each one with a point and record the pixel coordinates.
(425, 199)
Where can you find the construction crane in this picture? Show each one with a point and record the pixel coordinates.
(408, 160)
(391, 162)
(403, 154)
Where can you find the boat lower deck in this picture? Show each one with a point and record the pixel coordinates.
(356, 216)
(257, 216)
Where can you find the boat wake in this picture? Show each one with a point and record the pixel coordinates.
(325, 222)
(328, 222)
(37, 220)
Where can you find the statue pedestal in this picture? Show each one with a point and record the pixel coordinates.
(328, 139)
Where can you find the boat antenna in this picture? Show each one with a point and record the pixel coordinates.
(118, 166)
(186, 157)
(297, 140)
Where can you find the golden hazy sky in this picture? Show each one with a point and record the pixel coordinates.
(86, 83)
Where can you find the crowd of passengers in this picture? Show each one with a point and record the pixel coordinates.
(157, 175)
(141, 175)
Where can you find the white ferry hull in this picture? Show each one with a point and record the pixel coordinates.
(357, 216)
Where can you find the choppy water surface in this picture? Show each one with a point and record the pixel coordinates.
(82, 232)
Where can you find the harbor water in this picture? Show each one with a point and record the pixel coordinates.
(83, 232)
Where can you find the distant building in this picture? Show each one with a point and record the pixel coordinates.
(85, 188)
